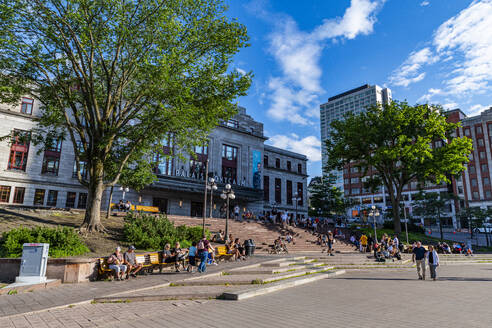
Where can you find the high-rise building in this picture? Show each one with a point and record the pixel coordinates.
(352, 101)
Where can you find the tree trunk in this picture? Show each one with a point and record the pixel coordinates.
(395, 203)
(92, 219)
(109, 202)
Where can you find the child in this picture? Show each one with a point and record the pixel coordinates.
(192, 257)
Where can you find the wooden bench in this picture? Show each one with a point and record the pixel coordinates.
(221, 253)
(141, 258)
(138, 208)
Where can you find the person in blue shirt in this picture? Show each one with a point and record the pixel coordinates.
(192, 257)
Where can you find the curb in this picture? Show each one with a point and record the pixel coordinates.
(241, 295)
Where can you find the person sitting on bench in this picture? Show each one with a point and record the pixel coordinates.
(179, 256)
(218, 237)
(167, 256)
(130, 261)
(115, 262)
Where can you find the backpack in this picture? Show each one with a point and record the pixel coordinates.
(200, 245)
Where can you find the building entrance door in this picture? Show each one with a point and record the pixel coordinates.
(161, 203)
(196, 209)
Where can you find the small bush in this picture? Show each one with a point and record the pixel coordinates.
(153, 232)
(63, 241)
(412, 227)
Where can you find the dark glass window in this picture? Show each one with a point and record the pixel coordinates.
(265, 160)
(19, 195)
(299, 168)
(289, 192)
(4, 194)
(278, 190)
(289, 166)
(50, 164)
(83, 169)
(277, 163)
(229, 163)
(52, 198)
(266, 187)
(82, 200)
(39, 197)
(71, 199)
(300, 193)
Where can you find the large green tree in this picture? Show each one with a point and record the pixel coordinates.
(395, 143)
(121, 74)
(326, 199)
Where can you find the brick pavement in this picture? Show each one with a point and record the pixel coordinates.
(76, 293)
(358, 299)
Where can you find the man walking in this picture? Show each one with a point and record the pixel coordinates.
(418, 256)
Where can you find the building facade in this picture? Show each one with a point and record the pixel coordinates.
(235, 152)
(352, 101)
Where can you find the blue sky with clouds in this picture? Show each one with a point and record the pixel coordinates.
(302, 52)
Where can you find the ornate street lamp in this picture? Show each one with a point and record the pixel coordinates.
(227, 194)
(374, 212)
(296, 199)
(211, 186)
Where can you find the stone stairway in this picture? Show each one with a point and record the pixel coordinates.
(264, 234)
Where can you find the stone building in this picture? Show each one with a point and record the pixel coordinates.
(235, 152)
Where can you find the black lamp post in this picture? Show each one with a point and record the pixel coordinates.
(227, 194)
(211, 186)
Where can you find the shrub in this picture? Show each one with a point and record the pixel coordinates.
(153, 232)
(64, 241)
(412, 227)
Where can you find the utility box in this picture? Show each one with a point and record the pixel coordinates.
(33, 263)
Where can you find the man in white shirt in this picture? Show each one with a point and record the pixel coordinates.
(396, 242)
(236, 212)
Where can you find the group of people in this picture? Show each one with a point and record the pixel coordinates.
(124, 206)
(199, 254)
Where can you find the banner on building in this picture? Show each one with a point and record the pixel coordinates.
(256, 169)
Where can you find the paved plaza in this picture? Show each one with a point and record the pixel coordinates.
(365, 298)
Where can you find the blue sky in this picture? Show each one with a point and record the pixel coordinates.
(302, 52)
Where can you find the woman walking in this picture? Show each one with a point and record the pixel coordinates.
(433, 260)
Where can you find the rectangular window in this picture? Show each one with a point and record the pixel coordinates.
(475, 195)
(278, 191)
(354, 169)
(354, 180)
(39, 197)
(355, 191)
(232, 124)
(474, 182)
(266, 188)
(265, 160)
(299, 168)
(26, 105)
(289, 166)
(300, 193)
(471, 169)
(479, 130)
(70, 203)
(346, 181)
(480, 142)
(52, 198)
(486, 181)
(229, 163)
(467, 132)
(82, 200)
(50, 164)
(460, 190)
(19, 150)
(488, 194)
(482, 155)
(19, 195)
(198, 164)
(277, 163)
(83, 169)
(4, 194)
(485, 169)
(289, 192)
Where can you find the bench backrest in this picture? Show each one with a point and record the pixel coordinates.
(140, 258)
(221, 250)
(143, 208)
(153, 258)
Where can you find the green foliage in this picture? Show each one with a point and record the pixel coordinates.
(393, 145)
(326, 199)
(412, 227)
(64, 241)
(153, 232)
(117, 76)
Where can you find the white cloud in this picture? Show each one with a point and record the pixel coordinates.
(309, 146)
(293, 95)
(425, 3)
(241, 71)
(408, 72)
(476, 110)
(463, 47)
(450, 105)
